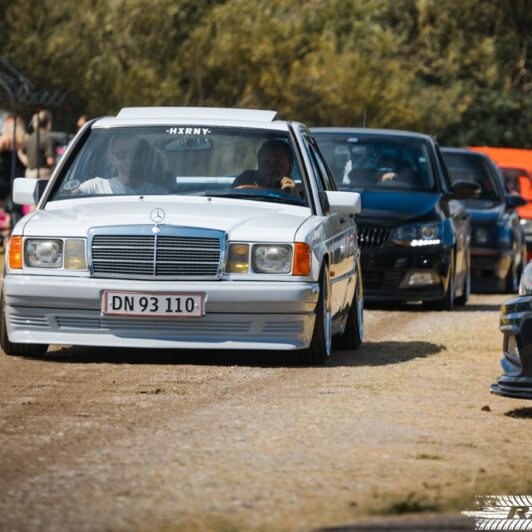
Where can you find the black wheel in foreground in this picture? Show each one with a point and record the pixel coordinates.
(21, 350)
(320, 345)
(354, 328)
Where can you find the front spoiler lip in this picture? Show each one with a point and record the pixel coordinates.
(431, 292)
(516, 394)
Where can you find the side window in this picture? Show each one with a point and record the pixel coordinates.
(319, 168)
(313, 162)
(440, 163)
(330, 183)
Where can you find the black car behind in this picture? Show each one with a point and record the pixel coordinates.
(498, 249)
(413, 230)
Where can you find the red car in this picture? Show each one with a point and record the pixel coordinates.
(516, 165)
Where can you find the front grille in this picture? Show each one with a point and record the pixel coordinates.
(157, 255)
(373, 237)
(382, 280)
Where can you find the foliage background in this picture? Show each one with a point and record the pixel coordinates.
(458, 69)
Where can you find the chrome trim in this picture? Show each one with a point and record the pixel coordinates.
(350, 273)
(144, 231)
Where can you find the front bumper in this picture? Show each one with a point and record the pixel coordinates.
(516, 325)
(238, 315)
(386, 273)
(490, 263)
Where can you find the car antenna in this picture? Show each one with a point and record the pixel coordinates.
(365, 117)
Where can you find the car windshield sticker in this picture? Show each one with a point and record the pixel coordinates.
(71, 185)
(188, 131)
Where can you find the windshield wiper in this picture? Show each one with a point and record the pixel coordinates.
(272, 198)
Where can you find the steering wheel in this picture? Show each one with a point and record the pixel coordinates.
(250, 186)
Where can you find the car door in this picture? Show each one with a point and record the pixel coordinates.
(340, 235)
(460, 222)
(510, 212)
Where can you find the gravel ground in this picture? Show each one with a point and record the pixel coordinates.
(108, 439)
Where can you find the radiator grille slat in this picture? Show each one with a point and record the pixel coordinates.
(158, 255)
(373, 237)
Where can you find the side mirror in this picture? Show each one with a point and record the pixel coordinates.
(515, 200)
(466, 190)
(344, 202)
(28, 191)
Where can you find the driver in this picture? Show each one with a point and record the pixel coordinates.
(274, 160)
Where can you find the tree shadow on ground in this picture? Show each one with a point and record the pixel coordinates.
(369, 354)
(522, 413)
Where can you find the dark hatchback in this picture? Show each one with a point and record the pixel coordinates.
(498, 248)
(413, 230)
(516, 326)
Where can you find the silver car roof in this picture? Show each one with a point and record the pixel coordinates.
(193, 116)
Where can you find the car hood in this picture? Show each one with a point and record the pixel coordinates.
(393, 208)
(486, 213)
(241, 219)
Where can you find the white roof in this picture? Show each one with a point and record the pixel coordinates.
(196, 113)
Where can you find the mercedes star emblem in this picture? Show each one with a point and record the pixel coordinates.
(157, 215)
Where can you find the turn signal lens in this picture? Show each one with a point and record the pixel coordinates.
(75, 255)
(15, 252)
(238, 258)
(302, 259)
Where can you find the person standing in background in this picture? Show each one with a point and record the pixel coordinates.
(12, 139)
(37, 154)
(82, 120)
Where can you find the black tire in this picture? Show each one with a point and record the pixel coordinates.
(466, 289)
(447, 301)
(511, 283)
(321, 343)
(353, 334)
(19, 350)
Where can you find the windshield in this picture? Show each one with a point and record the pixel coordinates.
(182, 160)
(363, 161)
(472, 167)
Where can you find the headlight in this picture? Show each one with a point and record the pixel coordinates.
(55, 253)
(418, 234)
(272, 258)
(525, 286)
(43, 253)
(480, 235)
(526, 224)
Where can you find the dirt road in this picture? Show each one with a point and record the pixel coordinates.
(120, 440)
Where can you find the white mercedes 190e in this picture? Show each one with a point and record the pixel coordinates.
(186, 228)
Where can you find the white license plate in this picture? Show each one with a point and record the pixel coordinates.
(146, 304)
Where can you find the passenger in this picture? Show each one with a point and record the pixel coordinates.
(275, 161)
(134, 160)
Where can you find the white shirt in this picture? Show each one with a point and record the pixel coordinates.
(100, 185)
